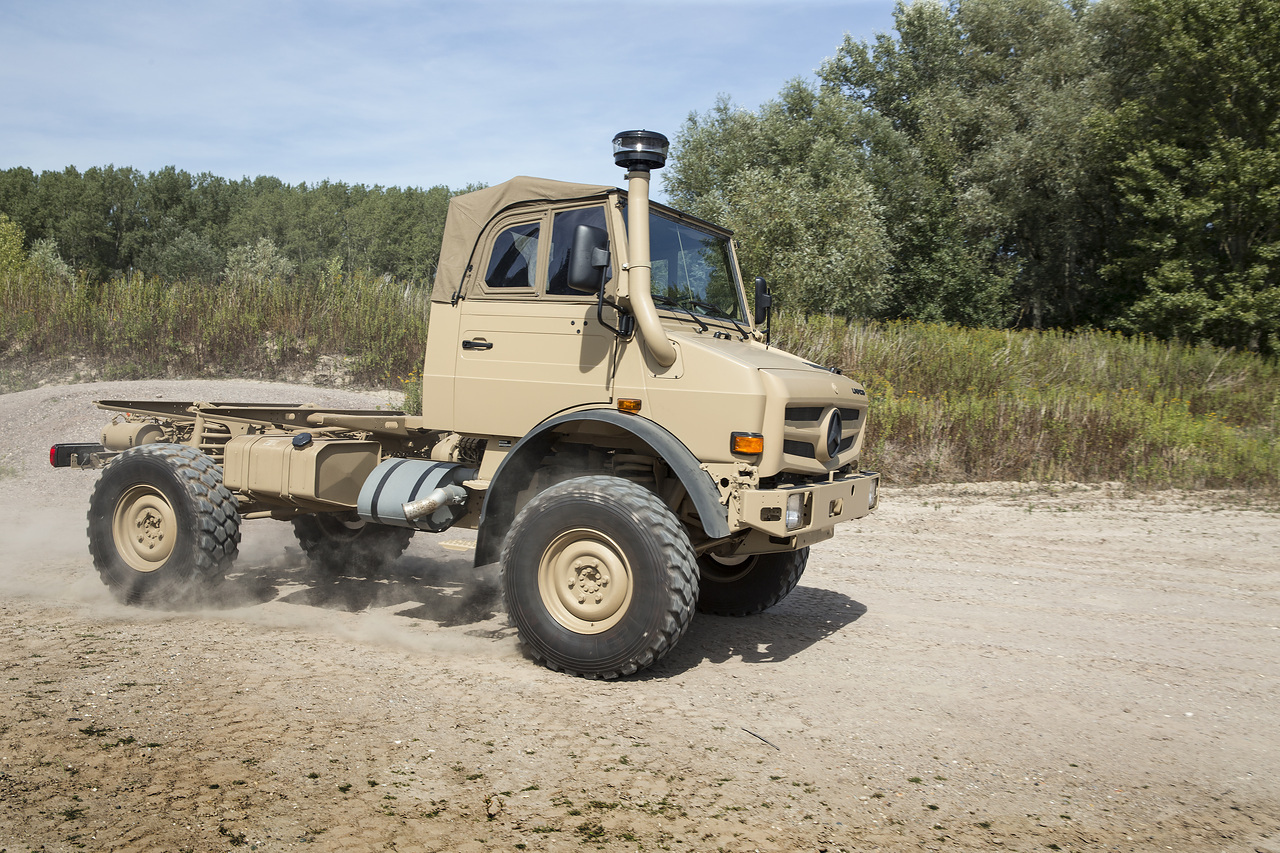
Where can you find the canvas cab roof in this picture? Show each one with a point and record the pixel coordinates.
(471, 212)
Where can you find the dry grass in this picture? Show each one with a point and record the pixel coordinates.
(146, 327)
(948, 404)
(952, 404)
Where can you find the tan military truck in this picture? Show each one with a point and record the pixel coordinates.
(597, 404)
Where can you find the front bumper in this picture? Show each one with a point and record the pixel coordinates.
(823, 505)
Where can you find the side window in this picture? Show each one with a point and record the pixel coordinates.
(562, 228)
(514, 260)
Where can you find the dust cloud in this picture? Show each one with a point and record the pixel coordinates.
(429, 598)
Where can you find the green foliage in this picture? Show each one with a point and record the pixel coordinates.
(805, 214)
(942, 268)
(45, 261)
(187, 256)
(13, 260)
(257, 263)
(411, 385)
(1031, 163)
(107, 221)
(953, 404)
(1196, 140)
(989, 172)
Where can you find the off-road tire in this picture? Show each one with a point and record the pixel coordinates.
(162, 527)
(339, 544)
(756, 583)
(617, 545)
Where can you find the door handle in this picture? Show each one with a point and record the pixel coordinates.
(477, 345)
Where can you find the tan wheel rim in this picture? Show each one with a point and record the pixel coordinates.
(585, 581)
(144, 528)
(727, 569)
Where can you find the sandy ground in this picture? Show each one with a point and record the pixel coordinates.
(985, 667)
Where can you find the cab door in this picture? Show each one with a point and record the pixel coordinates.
(529, 346)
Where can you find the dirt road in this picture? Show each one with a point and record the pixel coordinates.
(980, 667)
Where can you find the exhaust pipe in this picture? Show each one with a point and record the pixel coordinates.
(443, 496)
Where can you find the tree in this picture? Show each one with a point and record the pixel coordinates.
(175, 225)
(993, 196)
(1195, 142)
(945, 174)
(798, 199)
(45, 261)
(188, 256)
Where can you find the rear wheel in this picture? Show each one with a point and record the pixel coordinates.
(740, 586)
(345, 544)
(599, 577)
(161, 524)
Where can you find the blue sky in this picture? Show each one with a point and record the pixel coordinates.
(387, 92)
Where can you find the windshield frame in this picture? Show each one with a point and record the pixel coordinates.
(742, 324)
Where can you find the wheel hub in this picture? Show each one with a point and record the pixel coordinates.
(144, 528)
(589, 580)
(585, 581)
(150, 532)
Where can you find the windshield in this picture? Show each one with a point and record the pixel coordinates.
(692, 269)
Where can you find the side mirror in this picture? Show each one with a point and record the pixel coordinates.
(764, 301)
(588, 258)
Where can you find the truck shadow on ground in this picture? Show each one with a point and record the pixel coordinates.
(806, 617)
(447, 590)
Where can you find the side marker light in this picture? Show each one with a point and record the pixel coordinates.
(746, 443)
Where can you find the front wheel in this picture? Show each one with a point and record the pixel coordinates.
(741, 586)
(599, 577)
(161, 524)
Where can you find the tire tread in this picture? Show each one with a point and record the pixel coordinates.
(651, 514)
(217, 533)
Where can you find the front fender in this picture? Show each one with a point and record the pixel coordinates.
(517, 470)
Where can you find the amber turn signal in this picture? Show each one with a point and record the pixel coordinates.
(629, 406)
(747, 443)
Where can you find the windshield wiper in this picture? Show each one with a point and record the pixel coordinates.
(716, 310)
(719, 313)
(668, 302)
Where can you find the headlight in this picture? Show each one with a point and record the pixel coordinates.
(795, 511)
(873, 497)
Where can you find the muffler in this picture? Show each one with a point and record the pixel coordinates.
(415, 493)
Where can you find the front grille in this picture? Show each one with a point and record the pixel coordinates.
(805, 413)
(799, 448)
(804, 429)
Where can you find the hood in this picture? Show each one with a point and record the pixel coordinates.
(747, 353)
